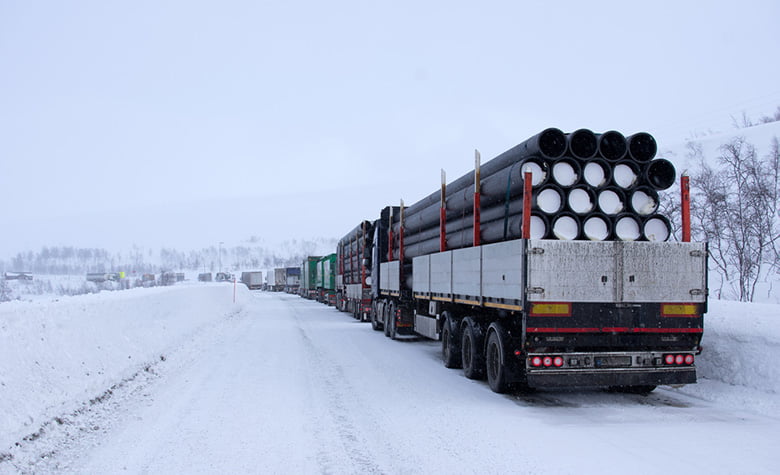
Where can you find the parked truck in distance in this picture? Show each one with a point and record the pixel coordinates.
(253, 280)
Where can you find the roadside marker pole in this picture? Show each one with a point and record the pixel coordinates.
(234, 290)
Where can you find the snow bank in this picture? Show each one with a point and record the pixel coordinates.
(58, 354)
(742, 345)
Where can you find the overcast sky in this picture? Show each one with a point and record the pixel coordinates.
(185, 123)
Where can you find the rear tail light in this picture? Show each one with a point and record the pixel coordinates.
(679, 360)
(546, 361)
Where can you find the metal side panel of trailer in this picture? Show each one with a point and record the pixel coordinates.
(491, 275)
(390, 277)
(616, 271)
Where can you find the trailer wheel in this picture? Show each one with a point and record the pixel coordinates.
(472, 358)
(496, 372)
(391, 317)
(450, 352)
(375, 315)
(386, 320)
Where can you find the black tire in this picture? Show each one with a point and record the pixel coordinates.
(472, 357)
(375, 325)
(386, 320)
(494, 360)
(392, 321)
(450, 350)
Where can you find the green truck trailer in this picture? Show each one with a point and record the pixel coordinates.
(308, 288)
(326, 279)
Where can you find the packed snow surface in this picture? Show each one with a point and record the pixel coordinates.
(183, 380)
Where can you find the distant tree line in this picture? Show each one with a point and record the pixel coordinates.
(69, 260)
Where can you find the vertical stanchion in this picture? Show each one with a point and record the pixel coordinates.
(477, 204)
(390, 237)
(443, 214)
(234, 289)
(685, 201)
(527, 187)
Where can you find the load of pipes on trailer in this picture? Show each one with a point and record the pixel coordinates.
(586, 186)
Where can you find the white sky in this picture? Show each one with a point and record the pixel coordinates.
(185, 123)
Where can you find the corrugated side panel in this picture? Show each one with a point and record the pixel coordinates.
(466, 272)
(572, 271)
(421, 274)
(441, 273)
(502, 270)
(664, 272)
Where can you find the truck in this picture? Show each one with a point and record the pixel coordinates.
(529, 291)
(252, 279)
(278, 279)
(353, 275)
(326, 279)
(292, 279)
(308, 288)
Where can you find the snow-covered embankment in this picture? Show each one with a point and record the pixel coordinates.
(57, 355)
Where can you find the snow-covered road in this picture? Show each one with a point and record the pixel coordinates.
(288, 385)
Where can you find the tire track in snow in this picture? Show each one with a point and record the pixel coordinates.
(337, 395)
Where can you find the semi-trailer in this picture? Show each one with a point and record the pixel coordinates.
(308, 288)
(326, 279)
(252, 279)
(549, 266)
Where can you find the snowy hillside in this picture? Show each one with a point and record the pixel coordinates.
(276, 383)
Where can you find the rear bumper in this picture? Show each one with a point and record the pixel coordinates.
(611, 377)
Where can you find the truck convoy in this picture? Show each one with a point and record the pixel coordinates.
(548, 266)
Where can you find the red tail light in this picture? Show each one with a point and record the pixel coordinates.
(547, 361)
(558, 361)
(536, 361)
(679, 359)
(669, 359)
(688, 359)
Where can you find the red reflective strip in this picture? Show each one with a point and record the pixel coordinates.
(612, 330)
(668, 330)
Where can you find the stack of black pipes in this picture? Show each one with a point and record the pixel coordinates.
(586, 186)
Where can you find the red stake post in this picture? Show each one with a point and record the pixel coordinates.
(527, 187)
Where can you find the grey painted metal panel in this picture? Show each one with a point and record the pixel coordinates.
(616, 271)
(664, 272)
(502, 270)
(441, 273)
(426, 326)
(355, 291)
(572, 271)
(421, 274)
(467, 271)
(389, 276)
